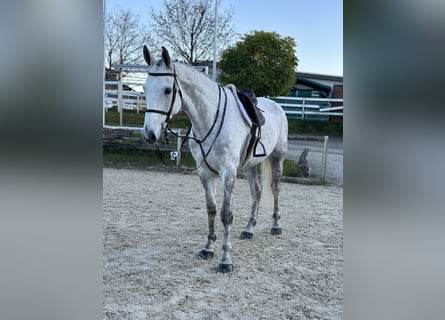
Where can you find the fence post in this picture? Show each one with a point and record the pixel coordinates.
(137, 104)
(325, 154)
(302, 109)
(119, 97)
(178, 148)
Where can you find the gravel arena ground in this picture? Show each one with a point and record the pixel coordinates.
(155, 222)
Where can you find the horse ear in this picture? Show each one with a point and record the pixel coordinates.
(147, 56)
(166, 57)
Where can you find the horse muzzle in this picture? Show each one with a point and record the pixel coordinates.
(149, 135)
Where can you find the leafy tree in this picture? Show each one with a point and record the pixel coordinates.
(124, 37)
(262, 61)
(187, 26)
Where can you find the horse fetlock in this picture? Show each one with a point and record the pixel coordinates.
(212, 237)
(226, 264)
(209, 246)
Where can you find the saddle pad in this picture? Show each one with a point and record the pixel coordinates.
(246, 117)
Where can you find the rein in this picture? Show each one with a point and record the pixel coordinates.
(201, 141)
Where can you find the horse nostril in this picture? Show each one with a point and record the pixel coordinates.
(148, 135)
(151, 137)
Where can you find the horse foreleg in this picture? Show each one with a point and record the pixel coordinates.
(210, 188)
(277, 171)
(227, 218)
(255, 191)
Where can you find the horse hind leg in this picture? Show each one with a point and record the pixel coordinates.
(277, 171)
(209, 183)
(255, 190)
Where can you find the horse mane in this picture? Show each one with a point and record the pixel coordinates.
(201, 75)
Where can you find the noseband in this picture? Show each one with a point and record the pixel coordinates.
(168, 113)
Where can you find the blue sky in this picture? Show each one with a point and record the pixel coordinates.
(316, 25)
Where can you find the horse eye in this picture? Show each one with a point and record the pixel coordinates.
(168, 90)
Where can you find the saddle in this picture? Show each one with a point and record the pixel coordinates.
(250, 103)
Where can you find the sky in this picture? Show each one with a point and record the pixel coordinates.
(316, 26)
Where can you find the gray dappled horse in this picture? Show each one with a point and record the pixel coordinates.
(218, 141)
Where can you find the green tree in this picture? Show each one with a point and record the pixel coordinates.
(262, 61)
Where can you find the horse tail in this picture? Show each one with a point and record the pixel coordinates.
(266, 175)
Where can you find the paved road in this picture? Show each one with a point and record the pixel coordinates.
(334, 169)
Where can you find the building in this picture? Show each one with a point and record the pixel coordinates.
(313, 85)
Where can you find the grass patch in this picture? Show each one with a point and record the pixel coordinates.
(132, 118)
(146, 157)
(314, 127)
(289, 168)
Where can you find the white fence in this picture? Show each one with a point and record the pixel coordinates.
(126, 99)
(126, 91)
(127, 94)
(310, 108)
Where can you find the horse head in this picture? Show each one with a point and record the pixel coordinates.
(163, 95)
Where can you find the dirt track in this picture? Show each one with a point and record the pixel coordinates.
(155, 223)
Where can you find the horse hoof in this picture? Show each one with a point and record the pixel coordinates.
(224, 268)
(205, 254)
(246, 235)
(276, 231)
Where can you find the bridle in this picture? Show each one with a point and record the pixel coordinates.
(168, 114)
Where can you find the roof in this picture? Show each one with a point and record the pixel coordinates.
(317, 76)
(302, 83)
(314, 84)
